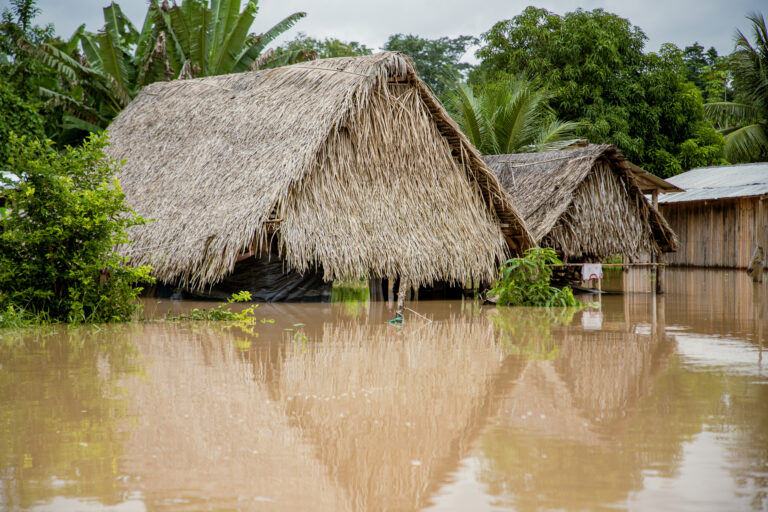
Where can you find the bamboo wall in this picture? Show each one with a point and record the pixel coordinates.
(721, 233)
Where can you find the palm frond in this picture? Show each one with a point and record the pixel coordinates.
(71, 122)
(746, 143)
(251, 53)
(119, 26)
(725, 113)
(225, 15)
(557, 135)
(199, 41)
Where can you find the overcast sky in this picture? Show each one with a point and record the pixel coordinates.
(711, 22)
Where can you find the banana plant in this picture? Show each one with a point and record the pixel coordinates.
(100, 73)
(215, 40)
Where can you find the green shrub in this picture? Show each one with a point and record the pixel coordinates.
(525, 282)
(15, 116)
(64, 214)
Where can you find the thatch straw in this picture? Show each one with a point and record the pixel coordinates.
(583, 202)
(352, 161)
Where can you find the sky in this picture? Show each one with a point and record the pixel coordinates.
(710, 22)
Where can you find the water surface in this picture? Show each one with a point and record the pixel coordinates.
(650, 403)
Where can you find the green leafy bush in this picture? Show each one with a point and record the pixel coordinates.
(15, 116)
(64, 214)
(525, 282)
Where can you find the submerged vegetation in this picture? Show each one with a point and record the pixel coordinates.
(525, 281)
(223, 311)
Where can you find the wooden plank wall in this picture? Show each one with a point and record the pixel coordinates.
(721, 233)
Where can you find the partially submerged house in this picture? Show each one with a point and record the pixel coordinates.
(721, 217)
(337, 168)
(585, 203)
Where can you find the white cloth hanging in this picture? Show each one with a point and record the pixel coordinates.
(591, 271)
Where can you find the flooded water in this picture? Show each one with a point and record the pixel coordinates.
(650, 403)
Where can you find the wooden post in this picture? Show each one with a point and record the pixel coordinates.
(390, 290)
(401, 293)
(655, 196)
(661, 317)
(659, 277)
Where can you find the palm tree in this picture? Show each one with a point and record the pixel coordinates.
(509, 117)
(744, 123)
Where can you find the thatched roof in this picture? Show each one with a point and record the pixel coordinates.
(584, 202)
(351, 160)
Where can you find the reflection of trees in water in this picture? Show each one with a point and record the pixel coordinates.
(527, 332)
(59, 400)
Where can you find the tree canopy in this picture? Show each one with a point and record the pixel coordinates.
(594, 65)
(437, 60)
(323, 48)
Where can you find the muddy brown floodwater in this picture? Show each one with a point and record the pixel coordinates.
(651, 403)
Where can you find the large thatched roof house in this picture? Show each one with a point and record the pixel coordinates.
(584, 203)
(348, 165)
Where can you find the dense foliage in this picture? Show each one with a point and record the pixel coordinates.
(63, 215)
(511, 116)
(16, 116)
(327, 48)
(744, 120)
(526, 282)
(594, 65)
(708, 71)
(437, 60)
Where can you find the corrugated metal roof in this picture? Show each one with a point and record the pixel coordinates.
(728, 181)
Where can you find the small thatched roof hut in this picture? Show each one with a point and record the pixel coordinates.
(351, 163)
(584, 202)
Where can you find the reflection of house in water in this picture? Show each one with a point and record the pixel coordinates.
(367, 416)
(559, 439)
(399, 409)
(362, 416)
(733, 306)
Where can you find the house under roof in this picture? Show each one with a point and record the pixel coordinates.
(586, 203)
(349, 167)
(721, 217)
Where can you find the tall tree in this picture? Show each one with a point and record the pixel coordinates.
(744, 122)
(17, 68)
(511, 116)
(708, 71)
(437, 60)
(594, 65)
